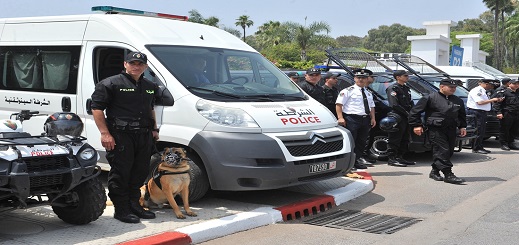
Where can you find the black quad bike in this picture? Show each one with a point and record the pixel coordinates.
(57, 168)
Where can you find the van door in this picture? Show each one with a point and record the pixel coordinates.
(38, 78)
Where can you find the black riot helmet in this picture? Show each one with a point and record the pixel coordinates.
(390, 122)
(63, 123)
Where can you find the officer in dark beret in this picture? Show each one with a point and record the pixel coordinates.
(399, 99)
(444, 112)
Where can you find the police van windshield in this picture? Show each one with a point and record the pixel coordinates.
(226, 75)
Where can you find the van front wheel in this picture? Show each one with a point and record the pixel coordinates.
(199, 185)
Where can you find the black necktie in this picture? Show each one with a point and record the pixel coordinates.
(365, 99)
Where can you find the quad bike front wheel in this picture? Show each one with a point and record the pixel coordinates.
(85, 203)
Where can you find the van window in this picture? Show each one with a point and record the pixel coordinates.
(226, 75)
(41, 69)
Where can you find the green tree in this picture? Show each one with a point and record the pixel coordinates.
(499, 8)
(392, 39)
(196, 17)
(233, 31)
(350, 41)
(310, 36)
(512, 34)
(244, 22)
(271, 33)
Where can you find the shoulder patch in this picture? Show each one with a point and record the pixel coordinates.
(393, 93)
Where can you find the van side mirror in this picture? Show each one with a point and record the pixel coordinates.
(164, 98)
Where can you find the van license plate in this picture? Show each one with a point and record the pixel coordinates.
(320, 167)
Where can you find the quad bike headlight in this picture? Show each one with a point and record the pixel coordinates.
(87, 154)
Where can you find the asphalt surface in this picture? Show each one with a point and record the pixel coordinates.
(484, 210)
(228, 211)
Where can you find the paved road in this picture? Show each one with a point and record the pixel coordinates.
(485, 210)
(39, 225)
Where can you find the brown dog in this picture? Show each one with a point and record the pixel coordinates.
(170, 178)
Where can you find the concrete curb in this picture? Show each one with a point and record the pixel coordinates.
(212, 229)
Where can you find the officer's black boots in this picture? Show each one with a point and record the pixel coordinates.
(138, 210)
(123, 214)
(359, 165)
(505, 147)
(363, 160)
(402, 160)
(435, 175)
(450, 177)
(393, 161)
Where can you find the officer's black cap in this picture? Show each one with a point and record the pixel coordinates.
(330, 75)
(136, 56)
(505, 80)
(450, 82)
(313, 71)
(293, 74)
(362, 72)
(400, 73)
(514, 81)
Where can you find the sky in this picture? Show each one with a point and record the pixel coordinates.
(345, 17)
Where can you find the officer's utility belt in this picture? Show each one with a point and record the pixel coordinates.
(439, 122)
(357, 116)
(131, 126)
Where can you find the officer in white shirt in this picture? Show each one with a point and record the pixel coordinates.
(478, 105)
(356, 111)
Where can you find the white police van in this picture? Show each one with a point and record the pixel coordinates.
(251, 128)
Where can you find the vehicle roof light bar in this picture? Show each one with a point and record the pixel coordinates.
(116, 10)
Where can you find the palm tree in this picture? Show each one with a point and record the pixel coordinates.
(494, 5)
(307, 36)
(498, 7)
(244, 21)
(512, 33)
(271, 33)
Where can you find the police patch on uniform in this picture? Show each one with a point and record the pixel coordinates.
(393, 93)
(479, 94)
(341, 94)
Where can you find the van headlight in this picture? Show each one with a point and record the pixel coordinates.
(225, 116)
(87, 154)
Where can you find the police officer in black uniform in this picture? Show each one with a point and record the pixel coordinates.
(127, 134)
(507, 111)
(444, 112)
(399, 98)
(310, 85)
(504, 85)
(330, 91)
